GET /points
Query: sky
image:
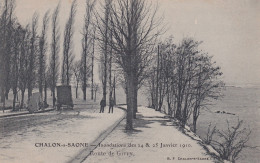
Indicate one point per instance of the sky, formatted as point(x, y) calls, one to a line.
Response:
point(229, 29)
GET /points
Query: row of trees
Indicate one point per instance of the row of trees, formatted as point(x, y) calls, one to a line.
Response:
point(17, 53)
point(185, 78)
point(24, 53)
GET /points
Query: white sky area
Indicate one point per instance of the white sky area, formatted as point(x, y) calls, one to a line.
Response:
point(229, 29)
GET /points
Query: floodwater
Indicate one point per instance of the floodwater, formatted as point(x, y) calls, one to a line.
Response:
point(245, 104)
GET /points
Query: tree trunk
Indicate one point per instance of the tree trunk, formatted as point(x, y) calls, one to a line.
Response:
point(178, 102)
point(95, 96)
point(194, 124)
point(3, 98)
point(14, 99)
point(22, 100)
point(29, 91)
point(105, 79)
point(185, 113)
point(40, 89)
point(40, 80)
point(6, 94)
point(84, 92)
point(130, 101)
point(45, 92)
point(174, 108)
point(53, 97)
point(169, 106)
point(135, 101)
point(160, 104)
point(105, 88)
point(84, 86)
point(92, 69)
point(114, 86)
point(92, 92)
point(152, 100)
point(126, 97)
point(106, 25)
point(157, 79)
point(67, 71)
point(110, 77)
point(77, 90)
point(195, 117)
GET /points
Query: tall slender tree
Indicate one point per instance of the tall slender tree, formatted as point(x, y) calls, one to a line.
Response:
point(68, 55)
point(42, 54)
point(55, 48)
point(92, 64)
point(110, 70)
point(31, 74)
point(86, 43)
point(16, 35)
point(103, 29)
point(23, 65)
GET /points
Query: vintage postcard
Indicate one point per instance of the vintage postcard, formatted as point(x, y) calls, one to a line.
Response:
point(118, 81)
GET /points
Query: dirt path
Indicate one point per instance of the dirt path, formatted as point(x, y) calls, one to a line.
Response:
point(155, 140)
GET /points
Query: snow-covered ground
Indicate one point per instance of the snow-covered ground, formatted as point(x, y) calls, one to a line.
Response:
point(155, 139)
point(58, 141)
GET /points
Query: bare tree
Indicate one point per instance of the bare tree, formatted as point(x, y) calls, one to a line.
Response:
point(103, 29)
point(31, 74)
point(92, 64)
point(207, 85)
point(161, 78)
point(110, 64)
point(169, 67)
point(55, 48)
point(16, 35)
point(157, 79)
point(86, 42)
point(232, 141)
point(132, 25)
point(42, 55)
point(23, 65)
point(210, 133)
point(68, 55)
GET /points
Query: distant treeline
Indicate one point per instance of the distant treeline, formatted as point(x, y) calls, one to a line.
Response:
point(24, 50)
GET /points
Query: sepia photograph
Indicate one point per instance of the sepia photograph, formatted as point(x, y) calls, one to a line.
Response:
point(120, 81)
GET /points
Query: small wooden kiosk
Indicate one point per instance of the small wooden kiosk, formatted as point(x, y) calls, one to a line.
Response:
point(64, 97)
